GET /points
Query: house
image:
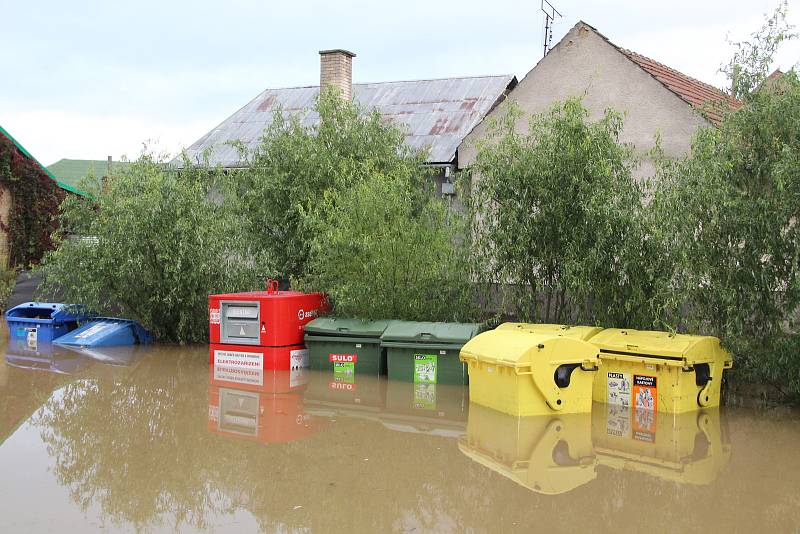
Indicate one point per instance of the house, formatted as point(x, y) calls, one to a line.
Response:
point(73, 172)
point(656, 99)
point(29, 199)
point(437, 114)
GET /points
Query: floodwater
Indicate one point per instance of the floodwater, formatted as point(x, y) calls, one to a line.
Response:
point(154, 440)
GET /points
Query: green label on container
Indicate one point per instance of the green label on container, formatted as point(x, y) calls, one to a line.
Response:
point(425, 368)
point(424, 397)
point(344, 372)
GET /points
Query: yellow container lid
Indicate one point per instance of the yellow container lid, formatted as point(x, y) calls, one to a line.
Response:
point(524, 349)
point(577, 332)
point(680, 348)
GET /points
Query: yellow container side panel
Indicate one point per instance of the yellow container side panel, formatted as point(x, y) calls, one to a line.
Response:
point(516, 372)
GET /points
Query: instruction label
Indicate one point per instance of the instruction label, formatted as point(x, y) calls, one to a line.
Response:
point(239, 367)
point(32, 338)
point(298, 359)
point(344, 372)
point(619, 389)
point(425, 368)
point(618, 421)
point(645, 393)
point(424, 397)
point(213, 315)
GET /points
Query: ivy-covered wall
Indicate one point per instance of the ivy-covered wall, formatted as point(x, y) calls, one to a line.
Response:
point(35, 198)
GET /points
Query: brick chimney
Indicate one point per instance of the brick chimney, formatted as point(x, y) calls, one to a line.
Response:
point(336, 68)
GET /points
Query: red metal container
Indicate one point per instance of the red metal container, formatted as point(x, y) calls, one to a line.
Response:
point(258, 359)
point(261, 417)
point(268, 318)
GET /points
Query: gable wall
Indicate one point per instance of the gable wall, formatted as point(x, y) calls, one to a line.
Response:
point(584, 63)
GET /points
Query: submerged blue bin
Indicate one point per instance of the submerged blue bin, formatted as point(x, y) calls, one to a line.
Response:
point(106, 332)
point(43, 322)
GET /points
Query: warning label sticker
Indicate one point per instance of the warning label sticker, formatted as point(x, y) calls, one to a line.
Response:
point(213, 315)
point(645, 393)
point(619, 389)
point(32, 338)
point(644, 425)
point(425, 368)
point(298, 377)
point(298, 359)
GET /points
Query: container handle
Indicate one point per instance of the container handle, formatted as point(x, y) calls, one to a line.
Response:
point(272, 285)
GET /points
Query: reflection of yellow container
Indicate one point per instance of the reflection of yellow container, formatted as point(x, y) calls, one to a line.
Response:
point(659, 371)
point(522, 373)
point(688, 447)
point(548, 454)
point(577, 332)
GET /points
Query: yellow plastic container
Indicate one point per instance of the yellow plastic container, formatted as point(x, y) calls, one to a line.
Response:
point(548, 454)
point(689, 447)
point(522, 373)
point(659, 371)
point(577, 332)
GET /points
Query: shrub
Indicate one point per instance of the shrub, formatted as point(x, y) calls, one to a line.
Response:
point(152, 247)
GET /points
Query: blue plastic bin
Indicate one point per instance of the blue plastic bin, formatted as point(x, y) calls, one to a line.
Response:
point(106, 332)
point(43, 322)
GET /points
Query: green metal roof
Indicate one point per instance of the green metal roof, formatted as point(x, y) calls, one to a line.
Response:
point(66, 187)
point(73, 171)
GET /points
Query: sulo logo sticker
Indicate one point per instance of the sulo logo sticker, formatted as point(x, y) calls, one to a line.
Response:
point(343, 358)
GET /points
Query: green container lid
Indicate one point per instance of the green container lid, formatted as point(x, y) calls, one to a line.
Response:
point(332, 327)
point(414, 332)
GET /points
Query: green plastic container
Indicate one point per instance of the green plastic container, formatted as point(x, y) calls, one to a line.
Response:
point(346, 347)
point(426, 353)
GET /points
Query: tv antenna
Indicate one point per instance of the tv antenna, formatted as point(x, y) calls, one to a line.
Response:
point(550, 14)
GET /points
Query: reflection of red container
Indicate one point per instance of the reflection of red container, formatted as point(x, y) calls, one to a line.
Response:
point(263, 318)
point(261, 417)
point(262, 359)
point(225, 374)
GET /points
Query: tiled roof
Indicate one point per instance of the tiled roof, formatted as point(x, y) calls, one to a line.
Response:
point(707, 99)
point(436, 114)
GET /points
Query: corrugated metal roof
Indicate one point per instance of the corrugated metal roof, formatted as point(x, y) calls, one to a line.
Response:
point(437, 114)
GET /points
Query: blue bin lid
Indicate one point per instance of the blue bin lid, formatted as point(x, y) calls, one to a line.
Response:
point(105, 332)
point(55, 311)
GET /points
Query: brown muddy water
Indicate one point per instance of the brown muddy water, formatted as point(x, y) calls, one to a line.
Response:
point(154, 440)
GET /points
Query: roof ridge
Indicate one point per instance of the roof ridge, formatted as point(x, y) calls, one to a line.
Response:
point(477, 76)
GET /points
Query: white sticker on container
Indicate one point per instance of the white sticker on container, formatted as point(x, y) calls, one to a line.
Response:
point(238, 359)
point(358, 345)
point(619, 389)
point(32, 338)
point(298, 377)
point(213, 315)
point(93, 330)
point(443, 352)
point(239, 375)
point(298, 359)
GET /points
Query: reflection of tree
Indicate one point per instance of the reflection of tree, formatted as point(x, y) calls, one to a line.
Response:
point(135, 445)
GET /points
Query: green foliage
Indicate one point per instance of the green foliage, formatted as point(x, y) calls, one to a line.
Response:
point(347, 208)
point(153, 246)
point(8, 279)
point(753, 59)
point(295, 166)
point(385, 248)
point(555, 212)
point(731, 209)
point(35, 198)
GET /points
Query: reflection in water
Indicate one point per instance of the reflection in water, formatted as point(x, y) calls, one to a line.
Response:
point(546, 454)
point(169, 443)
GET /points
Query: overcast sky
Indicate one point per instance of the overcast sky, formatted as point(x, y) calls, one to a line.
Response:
point(85, 80)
